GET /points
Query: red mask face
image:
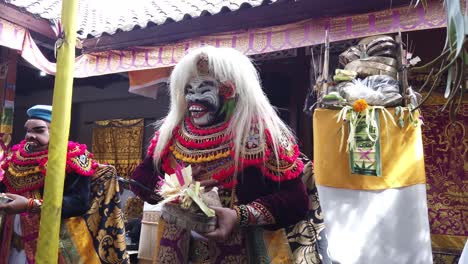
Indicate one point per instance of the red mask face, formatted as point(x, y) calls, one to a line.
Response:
point(37, 134)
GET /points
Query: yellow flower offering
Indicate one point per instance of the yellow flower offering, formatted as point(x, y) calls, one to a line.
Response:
point(360, 105)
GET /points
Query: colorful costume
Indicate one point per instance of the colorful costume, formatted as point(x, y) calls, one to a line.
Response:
point(24, 174)
point(283, 200)
point(93, 228)
point(221, 123)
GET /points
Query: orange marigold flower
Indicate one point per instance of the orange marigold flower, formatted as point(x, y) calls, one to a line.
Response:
point(360, 105)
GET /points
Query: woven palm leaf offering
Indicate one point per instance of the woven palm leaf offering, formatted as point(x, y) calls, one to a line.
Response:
point(187, 204)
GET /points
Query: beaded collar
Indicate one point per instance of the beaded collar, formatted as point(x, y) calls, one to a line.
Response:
point(25, 171)
point(212, 149)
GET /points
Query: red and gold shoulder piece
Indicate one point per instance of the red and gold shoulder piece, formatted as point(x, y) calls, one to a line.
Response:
point(80, 160)
point(259, 151)
point(286, 165)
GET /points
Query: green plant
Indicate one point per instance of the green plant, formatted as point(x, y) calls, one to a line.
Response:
point(453, 60)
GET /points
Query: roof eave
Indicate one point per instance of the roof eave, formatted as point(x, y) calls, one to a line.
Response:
point(26, 20)
point(282, 12)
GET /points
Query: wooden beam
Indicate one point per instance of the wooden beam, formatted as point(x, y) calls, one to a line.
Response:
point(39, 25)
point(279, 13)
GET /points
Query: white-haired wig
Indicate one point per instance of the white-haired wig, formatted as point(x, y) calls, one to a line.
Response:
point(225, 64)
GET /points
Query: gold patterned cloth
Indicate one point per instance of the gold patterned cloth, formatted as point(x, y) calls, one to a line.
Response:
point(446, 159)
point(119, 143)
point(104, 219)
point(307, 238)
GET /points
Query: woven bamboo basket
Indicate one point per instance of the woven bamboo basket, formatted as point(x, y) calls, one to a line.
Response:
point(193, 219)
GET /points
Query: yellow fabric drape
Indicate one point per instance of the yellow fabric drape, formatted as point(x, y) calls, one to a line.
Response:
point(83, 249)
point(47, 246)
point(119, 143)
point(401, 154)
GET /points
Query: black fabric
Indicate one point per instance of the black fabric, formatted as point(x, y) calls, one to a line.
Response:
point(147, 176)
point(76, 195)
point(134, 230)
point(286, 201)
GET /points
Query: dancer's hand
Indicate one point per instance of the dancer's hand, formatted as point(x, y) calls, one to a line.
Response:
point(18, 205)
point(227, 222)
